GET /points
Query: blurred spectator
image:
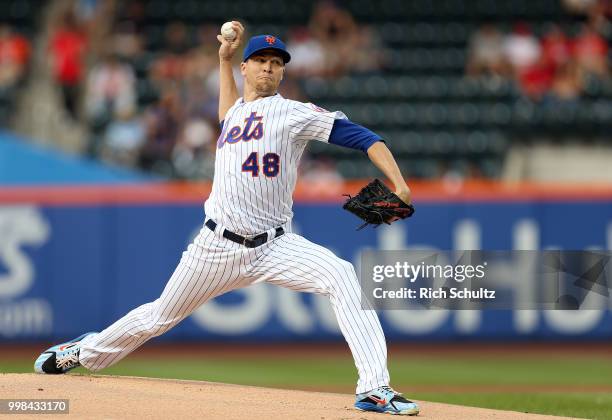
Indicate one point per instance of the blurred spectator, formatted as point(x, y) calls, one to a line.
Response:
point(336, 31)
point(307, 53)
point(110, 90)
point(14, 55)
point(198, 103)
point(486, 53)
point(537, 79)
point(212, 81)
point(176, 41)
point(67, 48)
point(132, 12)
point(169, 69)
point(193, 155)
point(199, 63)
point(86, 10)
point(601, 19)
point(321, 175)
point(553, 69)
point(567, 84)
point(203, 59)
point(163, 122)
point(360, 50)
point(126, 42)
point(370, 54)
point(123, 139)
point(556, 47)
point(521, 48)
point(581, 7)
point(591, 52)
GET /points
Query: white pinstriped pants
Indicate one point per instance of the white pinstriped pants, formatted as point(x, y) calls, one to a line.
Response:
point(213, 265)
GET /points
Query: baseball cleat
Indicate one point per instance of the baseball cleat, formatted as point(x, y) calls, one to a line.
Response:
point(60, 358)
point(385, 399)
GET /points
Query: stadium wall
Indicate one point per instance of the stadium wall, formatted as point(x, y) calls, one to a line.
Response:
point(74, 259)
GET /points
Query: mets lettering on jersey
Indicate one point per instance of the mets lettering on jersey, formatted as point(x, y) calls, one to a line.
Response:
point(246, 133)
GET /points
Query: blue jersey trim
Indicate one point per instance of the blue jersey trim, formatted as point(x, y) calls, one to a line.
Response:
point(354, 136)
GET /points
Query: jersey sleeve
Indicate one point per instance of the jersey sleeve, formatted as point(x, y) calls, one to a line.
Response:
point(346, 133)
point(309, 122)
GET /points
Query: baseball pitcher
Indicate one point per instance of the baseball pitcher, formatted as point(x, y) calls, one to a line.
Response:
point(247, 236)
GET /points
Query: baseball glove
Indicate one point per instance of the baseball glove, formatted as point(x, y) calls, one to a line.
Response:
point(377, 204)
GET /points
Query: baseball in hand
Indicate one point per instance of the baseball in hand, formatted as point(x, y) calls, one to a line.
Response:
point(228, 32)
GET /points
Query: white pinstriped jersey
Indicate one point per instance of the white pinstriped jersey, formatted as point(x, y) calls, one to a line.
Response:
point(257, 158)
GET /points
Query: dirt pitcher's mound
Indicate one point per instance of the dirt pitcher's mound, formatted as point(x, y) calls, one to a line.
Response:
point(115, 397)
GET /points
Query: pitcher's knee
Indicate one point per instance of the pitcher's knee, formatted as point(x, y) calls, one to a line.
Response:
point(153, 321)
point(162, 325)
point(347, 271)
point(342, 275)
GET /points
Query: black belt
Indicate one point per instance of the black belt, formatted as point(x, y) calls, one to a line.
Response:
point(253, 242)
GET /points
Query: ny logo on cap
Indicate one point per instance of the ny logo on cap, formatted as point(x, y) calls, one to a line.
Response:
point(270, 39)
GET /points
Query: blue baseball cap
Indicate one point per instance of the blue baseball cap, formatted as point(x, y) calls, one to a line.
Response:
point(266, 42)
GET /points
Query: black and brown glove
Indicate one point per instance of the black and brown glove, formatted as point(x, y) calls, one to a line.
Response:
point(377, 204)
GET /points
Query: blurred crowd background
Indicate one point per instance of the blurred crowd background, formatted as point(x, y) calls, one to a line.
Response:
point(459, 89)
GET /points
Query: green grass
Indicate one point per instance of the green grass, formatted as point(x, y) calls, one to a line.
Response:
point(572, 404)
point(416, 376)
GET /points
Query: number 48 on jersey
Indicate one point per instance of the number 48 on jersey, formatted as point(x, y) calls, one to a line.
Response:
point(270, 164)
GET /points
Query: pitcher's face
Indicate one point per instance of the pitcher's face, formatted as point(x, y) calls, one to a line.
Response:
point(264, 72)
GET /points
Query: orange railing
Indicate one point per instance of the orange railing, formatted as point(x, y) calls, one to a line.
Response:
point(324, 192)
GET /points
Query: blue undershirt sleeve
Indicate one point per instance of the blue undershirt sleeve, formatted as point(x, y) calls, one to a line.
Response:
point(348, 134)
